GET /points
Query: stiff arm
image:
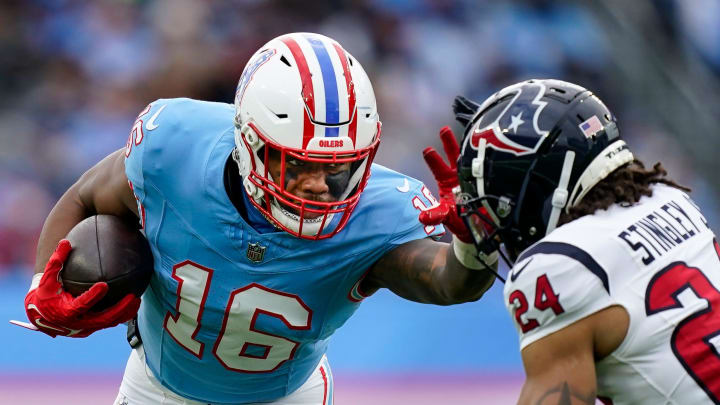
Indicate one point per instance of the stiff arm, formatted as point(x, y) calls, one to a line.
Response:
point(427, 271)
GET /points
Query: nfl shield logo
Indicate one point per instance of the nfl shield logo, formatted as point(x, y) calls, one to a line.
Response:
point(255, 252)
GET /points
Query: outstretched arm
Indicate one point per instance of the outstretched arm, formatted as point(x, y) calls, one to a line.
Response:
point(427, 271)
point(435, 272)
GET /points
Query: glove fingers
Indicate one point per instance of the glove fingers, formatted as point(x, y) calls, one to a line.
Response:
point(485, 220)
point(59, 255)
point(464, 105)
point(63, 249)
point(456, 225)
point(435, 162)
point(122, 311)
point(86, 300)
point(450, 144)
point(49, 281)
point(464, 109)
point(435, 215)
point(130, 305)
point(463, 119)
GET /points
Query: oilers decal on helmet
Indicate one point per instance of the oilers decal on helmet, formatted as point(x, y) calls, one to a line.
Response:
point(250, 70)
point(324, 97)
point(507, 132)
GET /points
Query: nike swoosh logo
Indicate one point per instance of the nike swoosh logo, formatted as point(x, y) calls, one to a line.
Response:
point(515, 274)
point(405, 187)
point(151, 122)
point(41, 323)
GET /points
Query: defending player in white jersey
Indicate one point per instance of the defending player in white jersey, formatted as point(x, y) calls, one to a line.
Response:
point(615, 287)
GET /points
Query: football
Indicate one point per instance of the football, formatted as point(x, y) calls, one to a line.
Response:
point(106, 248)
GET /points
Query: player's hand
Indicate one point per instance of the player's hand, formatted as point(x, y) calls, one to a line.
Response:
point(55, 311)
point(464, 109)
point(447, 179)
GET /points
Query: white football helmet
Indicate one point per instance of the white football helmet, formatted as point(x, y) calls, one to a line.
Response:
point(302, 97)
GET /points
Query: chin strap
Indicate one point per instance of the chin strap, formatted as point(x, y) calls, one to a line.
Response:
point(477, 167)
point(612, 157)
point(560, 195)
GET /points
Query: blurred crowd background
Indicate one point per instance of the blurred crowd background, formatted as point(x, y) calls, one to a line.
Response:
point(74, 74)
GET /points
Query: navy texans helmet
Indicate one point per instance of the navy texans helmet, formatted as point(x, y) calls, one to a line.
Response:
point(530, 151)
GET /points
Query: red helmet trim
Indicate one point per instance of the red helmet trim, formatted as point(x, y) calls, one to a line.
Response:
point(308, 94)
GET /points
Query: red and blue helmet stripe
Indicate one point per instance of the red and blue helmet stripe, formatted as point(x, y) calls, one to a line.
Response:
point(327, 87)
point(332, 108)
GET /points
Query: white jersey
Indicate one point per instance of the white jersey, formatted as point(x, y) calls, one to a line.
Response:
point(660, 261)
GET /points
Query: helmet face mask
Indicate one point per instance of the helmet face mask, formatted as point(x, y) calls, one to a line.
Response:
point(484, 228)
point(297, 214)
point(304, 103)
point(532, 151)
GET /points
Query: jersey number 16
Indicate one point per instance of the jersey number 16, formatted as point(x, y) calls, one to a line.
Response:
point(239, 345)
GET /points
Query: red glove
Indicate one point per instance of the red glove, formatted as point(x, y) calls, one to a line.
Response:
point(55, 311)
point(447, 178)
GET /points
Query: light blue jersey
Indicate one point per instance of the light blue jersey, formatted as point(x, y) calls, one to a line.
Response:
point(232, 315)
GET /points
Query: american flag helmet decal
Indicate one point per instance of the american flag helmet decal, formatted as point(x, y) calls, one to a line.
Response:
point(591, 126)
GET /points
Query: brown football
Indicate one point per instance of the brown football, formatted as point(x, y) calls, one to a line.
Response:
point(107, 248)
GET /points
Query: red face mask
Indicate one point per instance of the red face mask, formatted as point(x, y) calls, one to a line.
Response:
point(309, 187)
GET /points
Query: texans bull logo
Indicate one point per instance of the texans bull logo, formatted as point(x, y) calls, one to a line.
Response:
point(516, 129)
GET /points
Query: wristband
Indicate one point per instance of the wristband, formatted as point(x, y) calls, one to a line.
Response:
point(35, 281)
point(468, 256)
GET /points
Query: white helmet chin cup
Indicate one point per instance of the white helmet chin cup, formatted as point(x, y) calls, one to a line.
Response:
point(310, 227)
point(304, 96)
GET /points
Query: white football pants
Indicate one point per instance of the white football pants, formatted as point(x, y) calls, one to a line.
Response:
point(140, 387)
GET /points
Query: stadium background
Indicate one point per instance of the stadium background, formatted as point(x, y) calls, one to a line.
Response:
point(74, 74)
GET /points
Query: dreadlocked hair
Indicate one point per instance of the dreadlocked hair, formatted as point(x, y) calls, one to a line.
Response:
point(624, 186)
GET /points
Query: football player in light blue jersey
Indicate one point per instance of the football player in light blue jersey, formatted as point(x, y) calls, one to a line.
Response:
point(269, 224)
